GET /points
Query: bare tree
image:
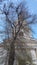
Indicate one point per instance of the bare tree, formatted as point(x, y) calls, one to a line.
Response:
point(22, 14)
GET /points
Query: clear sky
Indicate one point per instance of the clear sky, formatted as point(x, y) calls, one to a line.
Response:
point(32, 6)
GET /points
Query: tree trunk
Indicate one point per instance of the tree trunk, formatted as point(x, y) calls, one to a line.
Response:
point(11, 54)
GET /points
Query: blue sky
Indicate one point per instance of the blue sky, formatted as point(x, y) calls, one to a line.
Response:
point(32, 6)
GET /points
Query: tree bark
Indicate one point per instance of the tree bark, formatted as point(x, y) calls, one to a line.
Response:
point(11, 54)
